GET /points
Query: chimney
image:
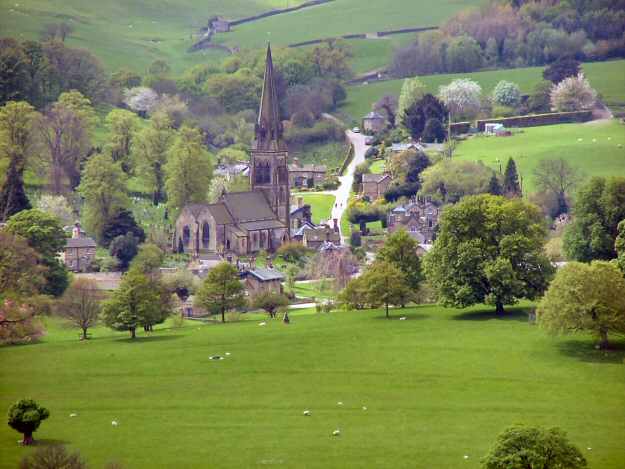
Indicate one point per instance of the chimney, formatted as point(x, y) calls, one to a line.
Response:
point(76, 232)
point(336, 224)
point(300, 201)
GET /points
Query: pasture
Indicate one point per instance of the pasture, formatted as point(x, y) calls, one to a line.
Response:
point(130, 33)
point(596, 154)
point(342, 17)
point(437, 387)
point(608, 78)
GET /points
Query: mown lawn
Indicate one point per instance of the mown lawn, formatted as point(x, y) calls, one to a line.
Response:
point(437, 386)
point(608, 78)
point(320, 204)
point(377, 167)
point(597, 154)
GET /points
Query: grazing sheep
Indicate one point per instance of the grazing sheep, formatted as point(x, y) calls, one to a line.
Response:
point(336, 432)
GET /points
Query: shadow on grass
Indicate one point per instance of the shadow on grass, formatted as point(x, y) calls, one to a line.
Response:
point(150, 338)
point(584, 350)
point(517, 313)
point(48, 442)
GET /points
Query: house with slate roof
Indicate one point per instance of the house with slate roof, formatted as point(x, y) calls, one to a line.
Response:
point(79, 252)
point(244, 223)
point(373, 123)
point(418, 218)
point(261, 280)
point(307, 175)
point(375, 185)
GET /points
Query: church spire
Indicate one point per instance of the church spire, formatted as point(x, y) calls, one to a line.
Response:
point(269, 126)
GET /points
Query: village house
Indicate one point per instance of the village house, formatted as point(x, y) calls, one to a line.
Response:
point(318, 236)
point(262, 280)
point(375, 185)
point(307, 175)
point(244, 223)
point(301, 215)
point(79, 252)
point(418, 218)
point(373, 123)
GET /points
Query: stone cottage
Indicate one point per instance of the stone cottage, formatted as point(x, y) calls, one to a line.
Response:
point(79, 252)
point(308, 175)
point(261, 280)
point(373, 123)
point(375, 185)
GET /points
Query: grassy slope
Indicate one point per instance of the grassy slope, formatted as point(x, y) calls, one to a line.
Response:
point(130, 33)
point(600, 158)
point(330, 153)
point(437, 386)
point(344, 17)
point(607, 77)
point(320, 204)
point(377, 167)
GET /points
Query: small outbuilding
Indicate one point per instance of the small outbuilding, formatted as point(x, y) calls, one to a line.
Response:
point(261, 280)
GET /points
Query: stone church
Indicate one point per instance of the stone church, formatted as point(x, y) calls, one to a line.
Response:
point(243, 223)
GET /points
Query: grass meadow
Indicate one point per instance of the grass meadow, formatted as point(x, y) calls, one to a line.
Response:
point(320, 204)
point(596, 154)
point(608, 78)
point(437, 386)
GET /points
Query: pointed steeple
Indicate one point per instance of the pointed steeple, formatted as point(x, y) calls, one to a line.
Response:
point(269, 126)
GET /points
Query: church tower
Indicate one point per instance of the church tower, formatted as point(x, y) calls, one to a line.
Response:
point(269, 162)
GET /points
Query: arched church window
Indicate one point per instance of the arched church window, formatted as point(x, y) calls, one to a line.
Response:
point(206, 235)
point(186, 235)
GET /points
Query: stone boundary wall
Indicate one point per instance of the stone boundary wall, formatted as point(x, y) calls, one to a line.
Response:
point(278, 11)
point(460, 127)
point(365, 35)
point(538, 119)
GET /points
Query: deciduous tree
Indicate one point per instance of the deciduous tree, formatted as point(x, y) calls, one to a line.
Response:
point(21, 271)
point(270, 302)
point(188, 171)
point(81, 304)
point(599, 207)
point(522, 447)
point(462, 98)
point(150, 148)
point(16, 144)
point(104, 189)
point(412, 90)
point(222, 290)
point(416, 116)
point(45, 235)
point(124, 248)
point(558, 177)
point(53, 456)
point(385, 285)
point(585, 297)
point(489, 249)
point(18, 323)
point(122, 125)
point(573, 94)
point(388, 104)
point(562, 68)
point(507, 93)
point(450, 180)
point(400, 249)
point(25, 416)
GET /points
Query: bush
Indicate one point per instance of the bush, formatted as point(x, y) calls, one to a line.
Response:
point(52, 457)
point(573, 94)
point(124, 248)
point(331, 183)
point(372, 152)
point(293, 252)
point(503, 111)
point(321, 132)
point(433, 131)
point(355, 239)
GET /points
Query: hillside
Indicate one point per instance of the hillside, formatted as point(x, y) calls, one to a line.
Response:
point(129, 33)
point(608, 78)
point(134, 33)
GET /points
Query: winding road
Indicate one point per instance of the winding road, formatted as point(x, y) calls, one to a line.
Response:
point(342, 193)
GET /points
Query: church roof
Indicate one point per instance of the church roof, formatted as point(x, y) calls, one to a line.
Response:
point(220, 214)
point(248, 206)
point(261, 225)
point(269, 126)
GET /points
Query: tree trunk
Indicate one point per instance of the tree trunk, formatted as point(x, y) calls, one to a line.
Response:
point(603, 339)
point(133, 333)
point(386, 304)
point(28, 439)
point(84, 333)
point(223, 314)
point(499, 308)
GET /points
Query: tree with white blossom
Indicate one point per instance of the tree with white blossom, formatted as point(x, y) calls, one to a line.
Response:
point(462, 98)
point(507, 93)
point(573, 94)
point(140, 99)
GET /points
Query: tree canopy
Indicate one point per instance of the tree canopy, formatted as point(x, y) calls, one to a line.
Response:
point(400, 249)
point(489, 249)
point(25, 416)
point(585, 297)
point(599, 208)
point(222, 290)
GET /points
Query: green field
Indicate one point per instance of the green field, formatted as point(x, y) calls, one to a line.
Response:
point(607, 77)
point(437, 386)
point(130, 33)
point(315, 289)
point(342, 17)
point(602, 157)
point(320, 204)
point(329, 153)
